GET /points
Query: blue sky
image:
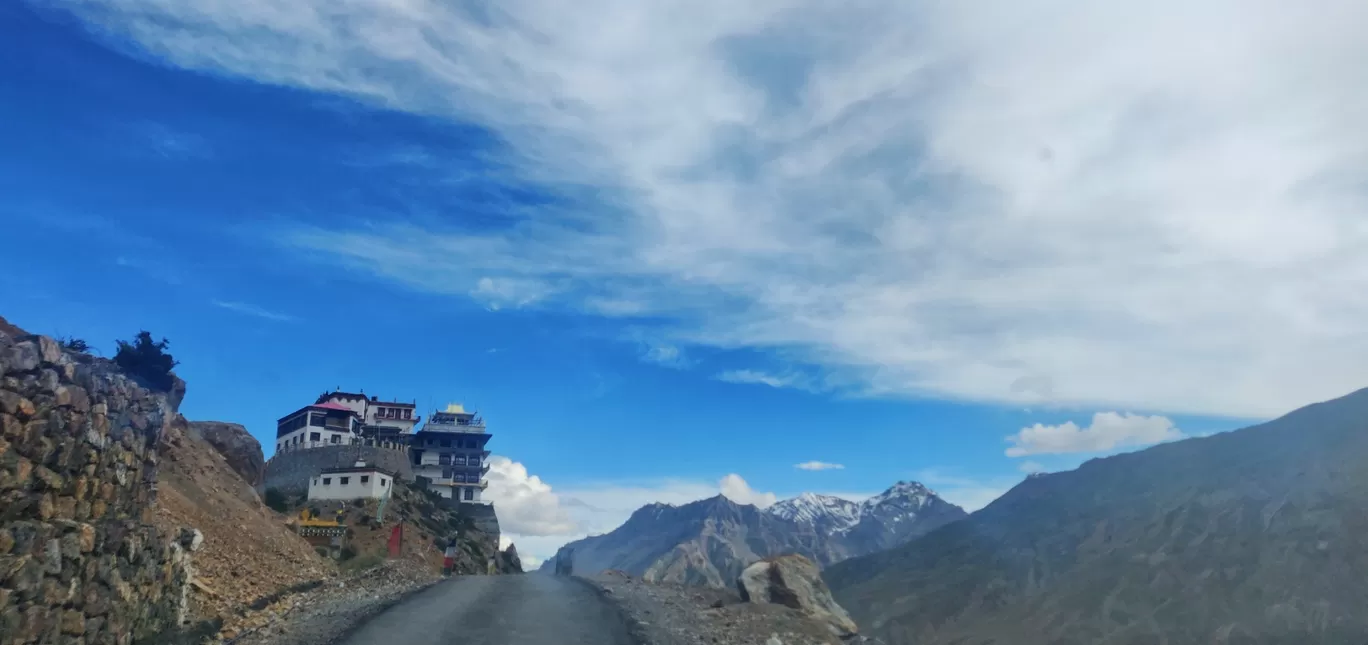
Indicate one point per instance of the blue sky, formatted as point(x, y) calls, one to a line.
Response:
point(669, 255)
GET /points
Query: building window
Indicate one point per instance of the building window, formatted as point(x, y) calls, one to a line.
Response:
point(445, 443)
point(446, 473)
point(313, 436)
point(315, 481)
point(408, 414)
point(327, 481)
point(383, 482)
point(469, 494)
point(365, 479)
point(443, 460)
point(474, 460)
point(343, 481)
point(318, 419)
point(460, 461)
point(337, 438)
point(460, 478)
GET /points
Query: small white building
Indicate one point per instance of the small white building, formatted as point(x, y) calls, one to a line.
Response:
point(359, 481)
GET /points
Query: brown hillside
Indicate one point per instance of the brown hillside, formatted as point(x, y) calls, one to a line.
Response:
point(249, 551)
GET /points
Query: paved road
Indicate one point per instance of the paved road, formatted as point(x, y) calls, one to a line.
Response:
point(498, 610)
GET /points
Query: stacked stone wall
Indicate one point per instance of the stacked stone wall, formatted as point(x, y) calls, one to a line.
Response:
point(289, 472)
point(80, 562)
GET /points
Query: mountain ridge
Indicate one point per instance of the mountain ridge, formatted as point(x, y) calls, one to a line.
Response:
point(709, 541)
point(1193, 541)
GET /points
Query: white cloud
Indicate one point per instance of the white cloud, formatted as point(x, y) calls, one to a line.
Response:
point(755, 377)
point(926, 198)
point(737, 490)
point(252, 310)
point(526, 504)
point(818, 465)
point(498, 293)
point(1108, 430)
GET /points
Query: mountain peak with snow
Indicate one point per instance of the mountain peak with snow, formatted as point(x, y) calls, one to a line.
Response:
point(826, 512)
point(903, 511)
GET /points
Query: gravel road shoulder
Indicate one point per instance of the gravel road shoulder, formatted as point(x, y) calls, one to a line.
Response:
point(327, 613)
point(669, 614)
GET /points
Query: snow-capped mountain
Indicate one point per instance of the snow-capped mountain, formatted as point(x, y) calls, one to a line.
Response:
point(904, 511)
point(709, 541)
point(827, 513)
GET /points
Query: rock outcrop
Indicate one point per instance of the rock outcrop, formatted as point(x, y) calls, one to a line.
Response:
point(794, 581)
point(511, 562)
point(80, 560)
point(239, 448)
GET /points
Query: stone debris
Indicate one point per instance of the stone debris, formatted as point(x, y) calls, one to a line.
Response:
point(673, 614)
point(794, 581)
point(320, 615)
point(243, 551)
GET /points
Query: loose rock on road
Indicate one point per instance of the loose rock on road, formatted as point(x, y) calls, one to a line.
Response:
point(498, 610)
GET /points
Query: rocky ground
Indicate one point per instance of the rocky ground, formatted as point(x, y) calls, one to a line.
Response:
point(249, 552)
point(672, 614)
point(323, 614)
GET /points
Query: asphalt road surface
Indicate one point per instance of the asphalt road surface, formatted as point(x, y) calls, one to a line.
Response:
point(525, 609)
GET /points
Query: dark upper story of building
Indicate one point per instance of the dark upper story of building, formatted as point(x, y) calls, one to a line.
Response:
point(328, 416)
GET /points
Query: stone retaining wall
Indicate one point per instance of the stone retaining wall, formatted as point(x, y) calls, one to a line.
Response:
point(80, 562)
point(289, 472)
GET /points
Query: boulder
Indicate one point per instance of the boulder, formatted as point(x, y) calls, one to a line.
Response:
point(794, 581)
point(239, 448)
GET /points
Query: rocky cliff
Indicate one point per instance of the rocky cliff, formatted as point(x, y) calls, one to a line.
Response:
point(239, 448)
point(1253, 536)
point(80, 560)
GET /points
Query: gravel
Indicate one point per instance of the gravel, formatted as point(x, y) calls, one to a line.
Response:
point(671, 614)
point(323, 615)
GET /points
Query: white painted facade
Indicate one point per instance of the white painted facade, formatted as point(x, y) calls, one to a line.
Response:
point(316, 426)
point(358, 482)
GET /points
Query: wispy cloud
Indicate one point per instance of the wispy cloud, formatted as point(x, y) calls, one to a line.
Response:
point(756, 377)
point(1108, 431)
point(818, 465)
point(248, 309)
point(666, 355)
point(930, 198)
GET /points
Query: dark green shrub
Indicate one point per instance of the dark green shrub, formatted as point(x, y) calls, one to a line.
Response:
point(347, 554)
point(147, 360)
point(275, 500)
point(73, 344)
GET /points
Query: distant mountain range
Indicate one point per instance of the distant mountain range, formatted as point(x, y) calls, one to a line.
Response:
point(1253, 536)
point(709, 542)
